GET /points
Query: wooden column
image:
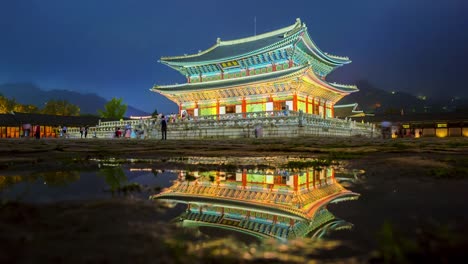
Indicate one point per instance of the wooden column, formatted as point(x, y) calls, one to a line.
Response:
point(295, 102)
point(307, 104)
point(313, 105)
point(332, 111)
point(313, 178)
point(217, 109)
point(244, 107)
point(296, 182)
point(244, 178)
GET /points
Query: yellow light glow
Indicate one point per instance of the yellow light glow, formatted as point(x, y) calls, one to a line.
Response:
point(465, 132)
point(441, 132)
point(441, 125)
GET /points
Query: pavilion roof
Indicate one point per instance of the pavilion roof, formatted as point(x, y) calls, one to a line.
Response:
point(231, 82)
point(238, 48)
point(234, 48)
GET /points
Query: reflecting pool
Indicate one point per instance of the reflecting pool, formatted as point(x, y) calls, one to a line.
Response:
point(278, 203)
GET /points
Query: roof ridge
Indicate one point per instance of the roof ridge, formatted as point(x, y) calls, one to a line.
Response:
point(219, 42)
point(284, 30)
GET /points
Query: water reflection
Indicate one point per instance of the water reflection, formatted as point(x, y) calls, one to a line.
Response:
point(279, 203)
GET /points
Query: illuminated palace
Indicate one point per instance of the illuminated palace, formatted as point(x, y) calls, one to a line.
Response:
point(262, 203)
point(279, 70)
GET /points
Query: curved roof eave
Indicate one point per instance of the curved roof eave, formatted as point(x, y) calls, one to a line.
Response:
point(337, 60)
point(338, 89)
point(184, 60)
point(267, 208)
point(231, 82)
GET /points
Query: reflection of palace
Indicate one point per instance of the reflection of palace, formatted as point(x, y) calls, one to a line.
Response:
point(269, 203)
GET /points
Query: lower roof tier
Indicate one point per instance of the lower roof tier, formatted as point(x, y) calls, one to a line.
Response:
point(299, 79)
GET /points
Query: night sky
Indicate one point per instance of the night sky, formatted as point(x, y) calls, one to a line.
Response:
point(111, 47)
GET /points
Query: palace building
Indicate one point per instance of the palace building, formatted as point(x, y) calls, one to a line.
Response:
point(275, 71)
point(268, 203)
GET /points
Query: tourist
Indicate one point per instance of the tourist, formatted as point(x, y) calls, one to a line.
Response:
point(37, 133)
point(64, 131)
point(86, 131)
point(81, 131)
point(163, 128)
point(26, 130)
point(128, 130)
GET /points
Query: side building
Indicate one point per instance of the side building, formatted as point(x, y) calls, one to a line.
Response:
point(275, 71)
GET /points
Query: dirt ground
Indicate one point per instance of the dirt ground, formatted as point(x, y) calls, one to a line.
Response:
point(424, 178)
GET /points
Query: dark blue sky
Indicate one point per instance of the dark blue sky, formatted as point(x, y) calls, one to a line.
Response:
point(111, 47)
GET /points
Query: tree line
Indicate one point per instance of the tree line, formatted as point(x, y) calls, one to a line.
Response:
point(114, 109)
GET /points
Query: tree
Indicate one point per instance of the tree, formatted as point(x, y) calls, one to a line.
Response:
point(155, 113)
point(114, 109)
point(61, 107)
point(7, 105)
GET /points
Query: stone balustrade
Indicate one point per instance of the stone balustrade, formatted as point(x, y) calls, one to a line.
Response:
point(239, 125)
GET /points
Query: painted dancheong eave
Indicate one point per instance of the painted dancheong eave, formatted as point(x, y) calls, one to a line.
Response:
point(298, 79)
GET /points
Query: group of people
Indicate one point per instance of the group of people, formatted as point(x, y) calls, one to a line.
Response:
point(84, 131)
point(128, 132)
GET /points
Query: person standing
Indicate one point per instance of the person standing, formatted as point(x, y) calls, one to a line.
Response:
point(37, 132)
point(81, 131)
point(163, 128)
point(86, 131)
point(64, 131)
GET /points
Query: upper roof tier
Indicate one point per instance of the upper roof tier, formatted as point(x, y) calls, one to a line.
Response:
point(242, 48)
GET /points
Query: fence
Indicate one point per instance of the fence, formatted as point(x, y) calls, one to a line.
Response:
point(239, 125)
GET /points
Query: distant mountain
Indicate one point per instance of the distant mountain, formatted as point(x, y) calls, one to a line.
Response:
point(89, 103)
point(378, 101)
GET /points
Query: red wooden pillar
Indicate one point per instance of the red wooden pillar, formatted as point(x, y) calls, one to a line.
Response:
point(217, 109)
point(244, 107)
point(201, 78)
point(296, 182)
point(247, 72)
point(332, 109)
point(222, 75)
point(188, 78)
point(295, 102)
point(244, 178)
point(290, 63)
point(273, 66)
point(313, 178)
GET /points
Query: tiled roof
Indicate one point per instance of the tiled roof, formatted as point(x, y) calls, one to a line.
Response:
point(16, 119)
point(233, 48)
point(231, 82)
